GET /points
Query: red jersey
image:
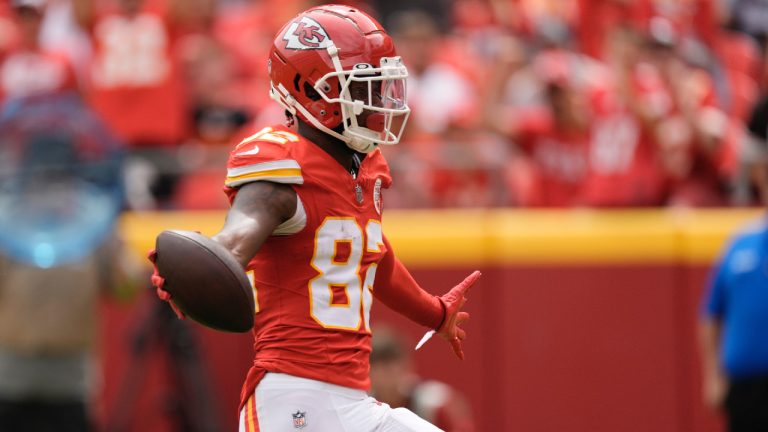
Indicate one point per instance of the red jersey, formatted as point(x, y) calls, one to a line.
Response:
point(313, 278)
point(135, 83)
point(26, 72)
point(558, 158)
point(623, 166)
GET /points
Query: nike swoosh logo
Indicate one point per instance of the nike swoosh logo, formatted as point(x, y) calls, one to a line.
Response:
point(253, 151)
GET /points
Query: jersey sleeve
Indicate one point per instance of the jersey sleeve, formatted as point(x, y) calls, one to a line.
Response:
point(264, 156)
point(396, 288)
point(255, 159)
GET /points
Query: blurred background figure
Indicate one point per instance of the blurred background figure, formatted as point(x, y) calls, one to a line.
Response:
point(222, 94)
point(28, 68)
point(447, 160)
point(134, 82)
point(541, 108)
point(179, 80)
point(394, 381)
point(624, 164)
point(60, 197)
point(735, 318)
point(687, 126)
point(748, 17)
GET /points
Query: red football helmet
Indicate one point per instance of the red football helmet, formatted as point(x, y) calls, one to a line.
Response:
point(335, 67)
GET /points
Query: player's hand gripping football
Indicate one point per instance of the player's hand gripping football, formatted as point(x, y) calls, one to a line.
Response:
point(158, 281)
point(453, 301)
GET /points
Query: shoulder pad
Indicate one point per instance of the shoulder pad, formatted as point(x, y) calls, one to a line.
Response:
point(266, 155)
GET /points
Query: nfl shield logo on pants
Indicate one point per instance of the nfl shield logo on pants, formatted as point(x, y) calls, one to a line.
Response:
point(299, 419)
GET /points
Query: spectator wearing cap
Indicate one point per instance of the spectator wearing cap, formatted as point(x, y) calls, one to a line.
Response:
point(29, 69)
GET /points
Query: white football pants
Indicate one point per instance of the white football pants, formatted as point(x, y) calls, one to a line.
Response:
point(285, 403)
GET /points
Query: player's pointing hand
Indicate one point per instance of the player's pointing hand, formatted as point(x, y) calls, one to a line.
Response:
point(453, 301)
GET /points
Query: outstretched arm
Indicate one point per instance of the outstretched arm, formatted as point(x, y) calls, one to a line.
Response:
point(397, 289)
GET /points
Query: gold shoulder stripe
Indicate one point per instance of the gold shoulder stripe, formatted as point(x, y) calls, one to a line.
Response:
point(284, 175)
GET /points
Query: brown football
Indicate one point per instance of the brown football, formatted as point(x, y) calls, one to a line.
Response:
point(205, 281)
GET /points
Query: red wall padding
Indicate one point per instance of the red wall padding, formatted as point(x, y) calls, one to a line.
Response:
point(551, 348)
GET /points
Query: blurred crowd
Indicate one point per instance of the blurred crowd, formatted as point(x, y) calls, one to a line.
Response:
point(535, 103)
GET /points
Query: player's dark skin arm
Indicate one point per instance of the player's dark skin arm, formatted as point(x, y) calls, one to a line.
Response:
point(261, 206)
point(258, 209)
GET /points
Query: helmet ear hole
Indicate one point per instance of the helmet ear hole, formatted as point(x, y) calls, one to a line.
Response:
point(311, 92)
point(320, 110)
point(296, 81)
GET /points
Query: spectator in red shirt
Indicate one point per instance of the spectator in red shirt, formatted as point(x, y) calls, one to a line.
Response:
point(137, 87)
point(624, 169)
point(552, 132)
point(442, 167)
point(686, 124)
point(134, 80)
point(28, 69)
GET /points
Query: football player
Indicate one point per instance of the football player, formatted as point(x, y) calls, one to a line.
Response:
point(305, 223)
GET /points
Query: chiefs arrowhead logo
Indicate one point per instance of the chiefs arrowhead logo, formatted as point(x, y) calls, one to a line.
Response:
point(306, 34)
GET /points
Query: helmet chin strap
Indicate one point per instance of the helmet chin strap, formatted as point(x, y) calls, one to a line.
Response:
point(356, 139)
